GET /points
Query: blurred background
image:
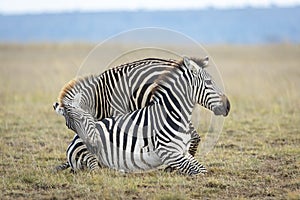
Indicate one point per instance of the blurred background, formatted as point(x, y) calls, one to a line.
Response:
point(208, 22)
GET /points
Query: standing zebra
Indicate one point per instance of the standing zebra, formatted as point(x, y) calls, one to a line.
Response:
point(156, 134)
point(116, 91)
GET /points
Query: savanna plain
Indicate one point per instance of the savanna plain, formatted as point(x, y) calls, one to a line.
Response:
point(255, 157)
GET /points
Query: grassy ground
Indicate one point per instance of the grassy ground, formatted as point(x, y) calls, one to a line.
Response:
point(256, 157)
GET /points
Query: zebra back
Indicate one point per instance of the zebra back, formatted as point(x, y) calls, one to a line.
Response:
point(118, 90)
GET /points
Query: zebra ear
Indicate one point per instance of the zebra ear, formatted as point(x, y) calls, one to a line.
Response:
point(205, 61)
point(76, 101)
point(191, 65)
point(186, 61)
point(201, 62)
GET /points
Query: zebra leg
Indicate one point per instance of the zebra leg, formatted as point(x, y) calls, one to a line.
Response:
point(92, 163)
point(186, 164)
point(195, 139)
point(79, 158)
point(189, 165)
point(62, 167)
point(194, 142)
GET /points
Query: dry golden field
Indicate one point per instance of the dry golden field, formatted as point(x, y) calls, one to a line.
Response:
point(257, 155)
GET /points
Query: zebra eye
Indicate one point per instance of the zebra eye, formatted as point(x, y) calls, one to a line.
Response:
point(208, 82)
point(195, 73)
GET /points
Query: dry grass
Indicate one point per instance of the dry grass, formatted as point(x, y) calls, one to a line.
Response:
point(257, 155)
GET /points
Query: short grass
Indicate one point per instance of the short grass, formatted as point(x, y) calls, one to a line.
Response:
point(256, 157)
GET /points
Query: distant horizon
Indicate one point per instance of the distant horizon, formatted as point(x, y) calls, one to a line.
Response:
point(17, 7)
point(148, 10)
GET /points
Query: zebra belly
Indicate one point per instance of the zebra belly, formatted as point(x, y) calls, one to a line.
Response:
point(116, 155)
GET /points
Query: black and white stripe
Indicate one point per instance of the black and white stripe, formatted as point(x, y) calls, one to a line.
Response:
point(116, 91)
point(156, 134)
point(79, 158)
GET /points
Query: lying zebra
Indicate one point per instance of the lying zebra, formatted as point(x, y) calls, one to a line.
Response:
point(119, 90)
point(156, 134)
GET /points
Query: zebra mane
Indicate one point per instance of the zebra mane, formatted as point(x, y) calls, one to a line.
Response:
point(146, 61)
point(67, 88)
point(165, 74)
point(201, 62)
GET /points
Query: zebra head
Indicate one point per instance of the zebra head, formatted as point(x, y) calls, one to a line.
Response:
point(73, 113)
point(69, 95)
point(74, 118)
point(204, 90)
point(71, 110)
point(74, 102)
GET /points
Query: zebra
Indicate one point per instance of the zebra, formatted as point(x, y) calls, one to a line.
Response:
point(105, 95)
point(156, 134)
point(79, 158)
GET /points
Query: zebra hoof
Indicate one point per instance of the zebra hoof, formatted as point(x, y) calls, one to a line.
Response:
point(169, 169)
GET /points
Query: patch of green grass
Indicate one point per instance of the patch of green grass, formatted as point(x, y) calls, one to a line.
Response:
point(256, 157)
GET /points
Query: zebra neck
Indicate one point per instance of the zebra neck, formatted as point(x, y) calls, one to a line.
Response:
point(173, 107)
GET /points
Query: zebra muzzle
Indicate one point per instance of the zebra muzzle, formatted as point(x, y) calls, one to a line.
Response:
point(223, 108)
point(55, 105)
point(59, 110)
